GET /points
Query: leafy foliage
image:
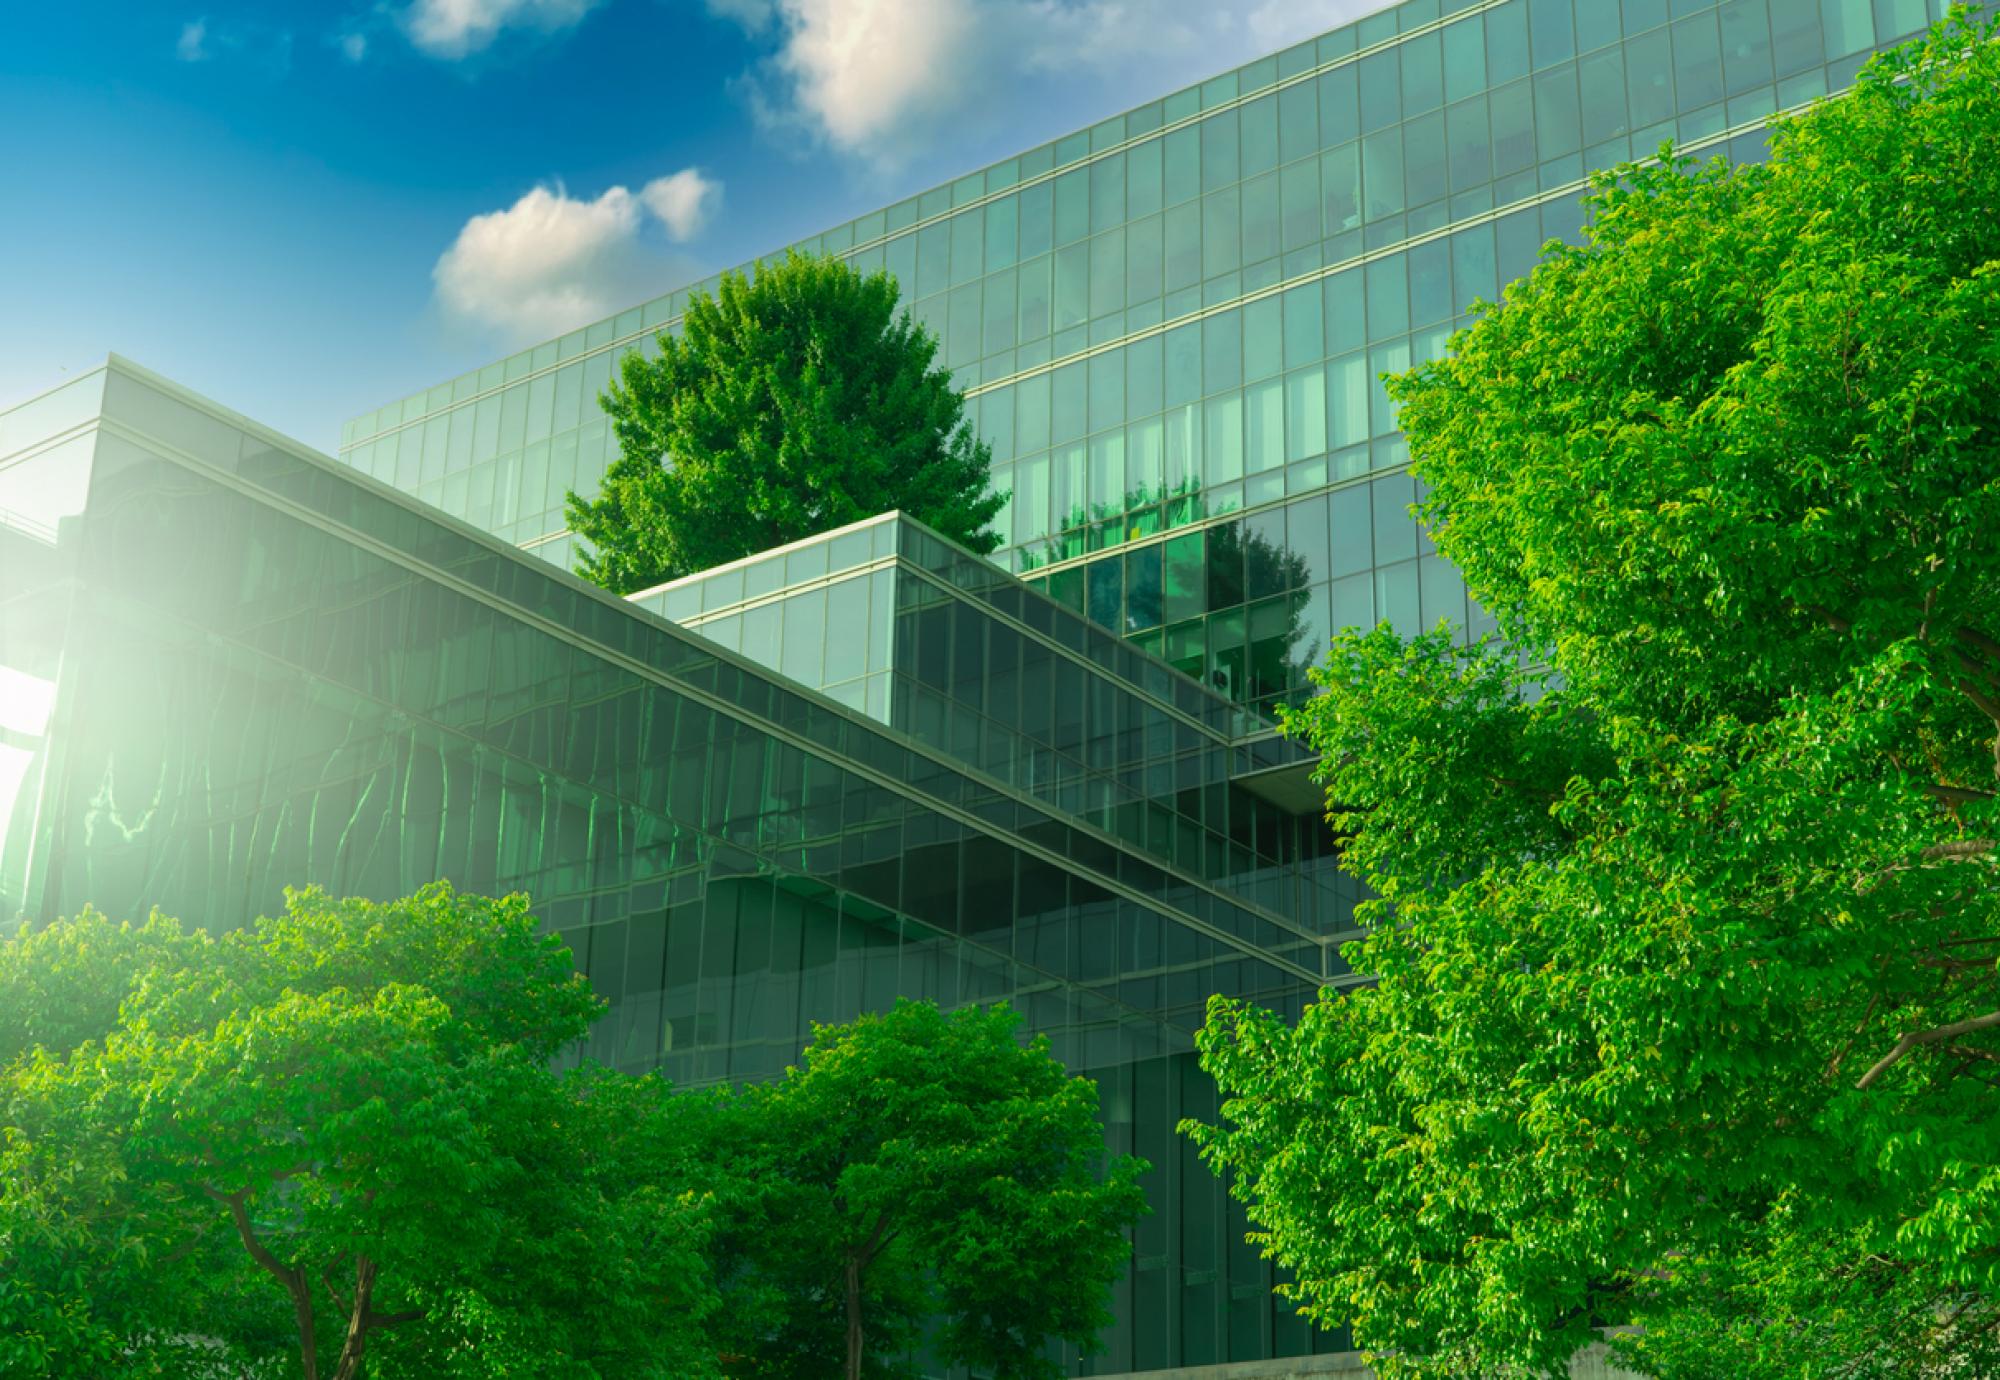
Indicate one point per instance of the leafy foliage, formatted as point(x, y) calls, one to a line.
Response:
point(333, 1145)
point(1686, 1013)
point(336, 1134)
point(790, 404)
point(921, 1168)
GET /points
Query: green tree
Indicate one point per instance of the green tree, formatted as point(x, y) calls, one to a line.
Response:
point(1686, 1012)
point(921, 1169)
point(790, 404)
point(94, 1277)
point(342, 1127)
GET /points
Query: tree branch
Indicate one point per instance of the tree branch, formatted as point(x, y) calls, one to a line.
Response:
point(1969, 1052)
point(1981, 641)
point(1985, 703)
point(1833, 1068)
point(293, 1281)
point(1959, 848)
point(1925, 1037)
point(1956, 795)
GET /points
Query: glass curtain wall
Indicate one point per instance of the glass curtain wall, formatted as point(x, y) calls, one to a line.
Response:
point(1177, 319)
point(231, 666)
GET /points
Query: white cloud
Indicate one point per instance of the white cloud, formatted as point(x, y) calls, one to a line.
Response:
point(683, 201)
point(552, 262)
point(453, 29)
point(881, 78)
point(259, 48)
point(353, 46)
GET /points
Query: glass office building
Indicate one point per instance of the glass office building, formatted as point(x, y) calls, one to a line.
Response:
point(228, 664)
point(873, 764)
point(1172, 324)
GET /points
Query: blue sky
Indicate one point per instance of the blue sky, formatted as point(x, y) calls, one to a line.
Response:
point(307, 208)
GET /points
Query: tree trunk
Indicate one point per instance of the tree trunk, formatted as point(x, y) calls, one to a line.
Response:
point(351, 1350)
point(854, 1317)
point(302, 1313)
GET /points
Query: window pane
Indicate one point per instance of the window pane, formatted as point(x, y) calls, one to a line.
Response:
point(1697, 62)
point(1602, 77)
point(998, 313)
point(1183, 165)
point(1549, 31)
point(1339, 120)
point(1388, 297)
point(1260, 135)
point(1221, 246)
point(1264, 427)
point(933, 258)
point(1422, 74)
point(1746, 44)
point(1352, 522)
point(1001, 230)
point(1382, 172)
point(1849, 27)
point(1466, 136)
point(1183, 349)
point(1035, 307)
point(1556, 128)
point(1107, 273)
point(1298, 121)
point(1305, 414)
point(1464, 59)
point(1142, 179)
point(1430, 283)
point(1298, 199)
point(1305, 336)
point(1340, 180)
point(1596, 25)
point(1347, 401)
point(1107, 390)
point(1513, 116)
point(1649, 80)
point(1107, 192)
point(1507, 42)
point(1107, 592)
point(1260, 219)
point(1395, 529)
point(1222, 352)
point(1143, 588)
point(1472, 267)
point(1423, 159)
point(1072, 298)
point(1142, 377)
point(1218, 151)
point(1346, 322)
point(968, 246)
point(1263, 338)
point(1068, 403)
point(1186, 579)
point(1381, 90)
point(1035, 219)
point(1143, 260)
point(1222, 459)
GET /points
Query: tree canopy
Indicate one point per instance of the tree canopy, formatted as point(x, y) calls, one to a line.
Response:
point(334, 1145)
point(1685, 1011)
point(921, 1168)
point(326, 1145)
point(789, 404)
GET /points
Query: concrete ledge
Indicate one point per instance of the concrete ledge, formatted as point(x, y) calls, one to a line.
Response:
point(1592, 1363)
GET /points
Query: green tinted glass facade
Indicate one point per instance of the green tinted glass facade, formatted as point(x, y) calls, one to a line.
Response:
point(228, 665)
point(1173, 323)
